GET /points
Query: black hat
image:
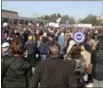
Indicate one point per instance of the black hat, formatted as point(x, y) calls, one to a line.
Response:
point(86, 46)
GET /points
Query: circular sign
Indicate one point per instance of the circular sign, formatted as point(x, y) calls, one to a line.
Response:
point(79, 37)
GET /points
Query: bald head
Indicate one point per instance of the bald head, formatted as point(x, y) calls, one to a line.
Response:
point(54, 49)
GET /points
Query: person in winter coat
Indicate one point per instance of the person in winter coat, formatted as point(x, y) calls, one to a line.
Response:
point(43, 48)
point(5, 49)
point(90, 42)
point(61, 42)
point(97, 62)
point(5, 52)
point(87, 56)
point(25, 35)
point(16, 69)
point(30, 47)
point(79, 63)
point(54, 72)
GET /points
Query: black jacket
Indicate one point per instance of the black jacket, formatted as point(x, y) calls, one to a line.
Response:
point(97, 61)
point(16, 72)
point(54, 73)
point(30, 46)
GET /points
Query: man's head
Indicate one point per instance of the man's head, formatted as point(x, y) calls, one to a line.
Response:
point(5, 47)
point(54, 49)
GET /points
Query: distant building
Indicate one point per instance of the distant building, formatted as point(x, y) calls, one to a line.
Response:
point(13, 17)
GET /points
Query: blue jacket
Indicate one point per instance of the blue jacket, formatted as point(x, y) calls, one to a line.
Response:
point(43, 48)
point(61, 41)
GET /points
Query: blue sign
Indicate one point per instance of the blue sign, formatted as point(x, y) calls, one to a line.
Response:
point(79, 37)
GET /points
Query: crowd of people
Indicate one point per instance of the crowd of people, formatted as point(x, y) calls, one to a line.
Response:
point(33, 56)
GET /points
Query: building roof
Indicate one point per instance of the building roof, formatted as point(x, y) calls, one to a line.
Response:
point(8, 14)
point(10, 11)
point(14, 15)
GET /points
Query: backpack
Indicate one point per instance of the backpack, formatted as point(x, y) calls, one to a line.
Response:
point(79, 64)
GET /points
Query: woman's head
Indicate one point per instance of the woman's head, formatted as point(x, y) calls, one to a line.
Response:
point(75, 52)
point(17, 48)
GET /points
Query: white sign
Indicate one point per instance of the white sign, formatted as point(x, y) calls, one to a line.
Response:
point(56, 25)
point(79, 37)
point(83, 25)
point(53, 24)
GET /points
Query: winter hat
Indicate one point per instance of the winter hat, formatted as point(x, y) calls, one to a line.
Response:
point(86, 46)
point(5, 44)
point(30, 37)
